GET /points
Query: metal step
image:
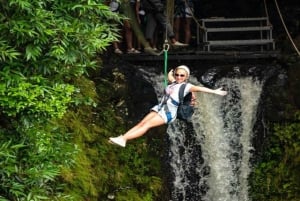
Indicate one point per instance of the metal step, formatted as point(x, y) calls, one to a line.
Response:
point(236, 29)
point(221, 19)
point(240, 42)
point(260, 42)
point(215, 25)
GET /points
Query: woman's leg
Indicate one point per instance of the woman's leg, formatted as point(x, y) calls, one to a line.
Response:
point(153, 119)
point(146, 118)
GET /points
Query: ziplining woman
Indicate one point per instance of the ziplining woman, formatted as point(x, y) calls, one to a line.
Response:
point(165, 112)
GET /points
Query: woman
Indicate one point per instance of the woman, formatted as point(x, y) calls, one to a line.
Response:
point(165, 111)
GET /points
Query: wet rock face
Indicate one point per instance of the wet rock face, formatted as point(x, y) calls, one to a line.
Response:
point(133, 95)
point(141, 96)
point(294, 85)
point(280, 96)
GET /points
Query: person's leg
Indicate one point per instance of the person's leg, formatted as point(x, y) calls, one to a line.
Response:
point(188, 14)
point(153, 119)
point(187, 29)
point(177, 27)
point(128, 34)
point(146, 118)
point(116, 48)
point(161, 18)
point(150, 26)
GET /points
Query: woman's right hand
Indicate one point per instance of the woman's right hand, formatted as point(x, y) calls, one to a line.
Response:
point(221, 92)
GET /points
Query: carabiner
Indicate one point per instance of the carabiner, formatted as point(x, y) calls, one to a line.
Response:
point(166, 46)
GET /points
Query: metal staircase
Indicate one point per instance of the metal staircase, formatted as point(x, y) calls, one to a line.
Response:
point(227, 32)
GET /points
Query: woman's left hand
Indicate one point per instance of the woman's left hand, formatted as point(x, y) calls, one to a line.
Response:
point(220, 92)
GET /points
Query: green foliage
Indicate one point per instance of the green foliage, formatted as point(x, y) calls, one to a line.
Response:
point(8, 162)
point(45, 45)
point(54, 126)
point(30, 170)
point(32, 96)
point(277, 177)
point(102, 169)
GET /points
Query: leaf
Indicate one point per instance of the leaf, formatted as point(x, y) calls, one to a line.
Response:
point(32, 52)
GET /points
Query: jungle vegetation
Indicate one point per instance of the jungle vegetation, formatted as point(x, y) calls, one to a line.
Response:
point(276, 177)
point(55, 121)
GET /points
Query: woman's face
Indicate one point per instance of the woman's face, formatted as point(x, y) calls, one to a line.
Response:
point(180, 75)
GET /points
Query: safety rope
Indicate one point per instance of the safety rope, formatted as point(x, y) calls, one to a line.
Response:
point(166, 45)
point(281, 18)
point(170, 11)
point(166, 49)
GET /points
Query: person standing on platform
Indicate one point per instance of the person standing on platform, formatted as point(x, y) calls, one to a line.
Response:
point(155, 14)
point(183, 13)
point(115, 6)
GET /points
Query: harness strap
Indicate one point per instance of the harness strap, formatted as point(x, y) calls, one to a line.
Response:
point(166, 109)
point(181, 92)
point(174, 102)
point(168, 113)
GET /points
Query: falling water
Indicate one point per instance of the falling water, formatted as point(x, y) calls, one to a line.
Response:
point(210, 157)
point(223, 128)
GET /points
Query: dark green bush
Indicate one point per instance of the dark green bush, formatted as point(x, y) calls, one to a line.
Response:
point(277, 176)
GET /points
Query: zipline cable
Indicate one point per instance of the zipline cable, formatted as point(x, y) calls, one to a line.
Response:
point(281, 18)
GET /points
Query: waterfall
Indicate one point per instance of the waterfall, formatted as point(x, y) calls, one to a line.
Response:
point(223, 132)
point(210, 157)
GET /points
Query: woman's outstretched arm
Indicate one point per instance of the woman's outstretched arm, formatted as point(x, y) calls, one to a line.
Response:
point(218, 91)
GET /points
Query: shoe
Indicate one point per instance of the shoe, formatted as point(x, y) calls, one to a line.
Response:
point(179, 44)
point(150, 50)
point(133, 51)
point(118, 51)
point(118, 141)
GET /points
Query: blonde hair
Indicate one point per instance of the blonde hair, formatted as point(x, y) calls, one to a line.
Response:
point(185, 68)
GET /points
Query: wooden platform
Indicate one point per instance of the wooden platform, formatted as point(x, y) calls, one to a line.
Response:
point(200, 55)
point(221, 40)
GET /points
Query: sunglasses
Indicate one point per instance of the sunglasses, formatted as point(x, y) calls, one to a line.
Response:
point(180, 75)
